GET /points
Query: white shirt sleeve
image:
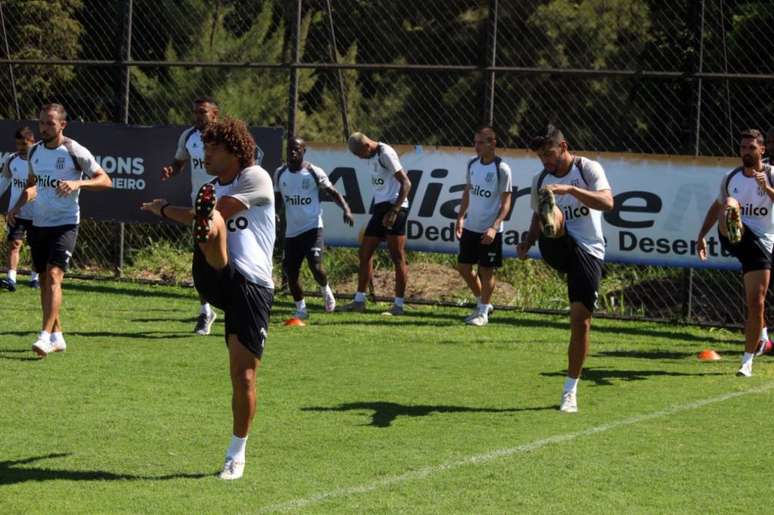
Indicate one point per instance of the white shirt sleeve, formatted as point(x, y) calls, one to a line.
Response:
point(254, 188)
point(389, 159)
point(324, 183)
point(181, 154)
point(85, 159)
point(276, 179)
point(595, 175)
point(722, 193)
point(5, 175)
point(505, 184)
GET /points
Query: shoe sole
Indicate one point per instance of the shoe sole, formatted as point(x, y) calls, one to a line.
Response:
point(733, 225)
point(205, 205)
point(546, 212)
point(739, 373)
point(568, 410)
point(40, 352)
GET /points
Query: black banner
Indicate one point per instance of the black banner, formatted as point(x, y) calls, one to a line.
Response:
point(133, 156)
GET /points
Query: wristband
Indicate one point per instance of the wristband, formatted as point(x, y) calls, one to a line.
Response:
point(161, 211)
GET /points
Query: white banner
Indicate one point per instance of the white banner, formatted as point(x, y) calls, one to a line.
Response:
point(660, 202)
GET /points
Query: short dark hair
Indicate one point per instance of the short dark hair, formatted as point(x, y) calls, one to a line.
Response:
point(551, 135)
point(232, 134)
point(205, 100)
point(487, 130)
point(24, 133)
point(59, 108)
point(754, 134)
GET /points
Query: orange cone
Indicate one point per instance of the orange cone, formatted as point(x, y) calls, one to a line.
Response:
point(708, 355)
point(294, 322)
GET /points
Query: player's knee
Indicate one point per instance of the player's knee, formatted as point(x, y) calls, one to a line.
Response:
point(16, 245)
point(243, 378)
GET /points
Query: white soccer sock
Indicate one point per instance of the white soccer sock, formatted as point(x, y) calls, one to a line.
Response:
point(571, 384)
point(12, 275)
point(206, 309)
point(326, 290)
point(478, 300)
point(236, 450)
point(360, 296)
point(57, 337)
point(34, 276)
point(483, 308)
point(747, 358)
point(398, 301)
point(45, 335)
point(301, 305)
point(764, 334)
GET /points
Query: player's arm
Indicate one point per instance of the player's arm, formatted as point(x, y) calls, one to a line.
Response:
point(28, 195)
point(5, 181)
point(464, 203)
point(98, 181)
point(405, 188)
point(601, 200)
point(172, 169)
point(532, 236)
point(161, 207)
point(505, 206)
point(709, 221)
point(340, 201)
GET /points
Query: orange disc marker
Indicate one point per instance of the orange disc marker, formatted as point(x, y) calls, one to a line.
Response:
point(708, 355)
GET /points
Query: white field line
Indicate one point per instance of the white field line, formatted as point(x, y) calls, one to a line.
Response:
point(486, 457)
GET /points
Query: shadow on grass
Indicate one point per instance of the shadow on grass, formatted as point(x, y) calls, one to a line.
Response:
point(11, 473)
point(129, 290)
point(14, 355)
point(386, 412)
point(606, 377)
point(141, 335)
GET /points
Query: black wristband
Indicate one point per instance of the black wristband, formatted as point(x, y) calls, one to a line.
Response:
point(161, 211)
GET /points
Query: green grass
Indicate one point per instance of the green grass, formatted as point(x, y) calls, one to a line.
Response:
point(135, 417)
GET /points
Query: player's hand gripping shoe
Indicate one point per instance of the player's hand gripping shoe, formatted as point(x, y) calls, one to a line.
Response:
point(546, 207)
point(733, 224)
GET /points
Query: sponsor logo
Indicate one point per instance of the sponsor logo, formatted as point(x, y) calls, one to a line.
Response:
point(237, 224)
point(19, 183)
point(750, 210)
point(46, 181)
point(478, 191)
point(297, 200)
point(197, 163)
point(377, 181)
point(571, 213)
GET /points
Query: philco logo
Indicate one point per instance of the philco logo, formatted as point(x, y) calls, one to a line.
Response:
point(750, 210)
point(377, 181)
point(478, 191)
point(297, 200)
point(60, 163)
point(571, 213)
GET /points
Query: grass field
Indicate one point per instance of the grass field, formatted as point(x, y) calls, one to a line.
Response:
point(363, 413)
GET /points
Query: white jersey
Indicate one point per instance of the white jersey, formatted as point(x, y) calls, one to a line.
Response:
point(384, 165)
point(300, 190)
point(755, 204)
point(190, 147)
point(581, 222)
point(70, 161)
point(250, 240)
point(487, 183)
point(14, 173)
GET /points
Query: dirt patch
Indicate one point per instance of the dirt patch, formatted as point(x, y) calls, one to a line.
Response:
point(428, 281)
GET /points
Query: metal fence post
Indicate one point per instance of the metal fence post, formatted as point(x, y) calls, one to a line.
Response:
point(126, 55)
point(489, 40)
point(295, 55)
point(339, 73)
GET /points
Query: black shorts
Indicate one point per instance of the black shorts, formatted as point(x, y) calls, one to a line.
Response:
point(17, 232)
point(584, 271)
point(750, 251)
point(375, 227)
point(52, 246)
point(307, 245)
point(472, 251)
point(247, 305)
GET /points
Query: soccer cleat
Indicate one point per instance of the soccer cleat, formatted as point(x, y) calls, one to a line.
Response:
point(34, 283)
point(733, 224)
point(569, 402)
point(232, 469)
point(203, 208)
point(42, 347)
point(764, 347)
point(330, 303)
point(353, 307)
point(480, 319)
point(472, 315)
point(745, 370)
point(394, 311)
point(301, 314)
point(546, 208)
point(204, 323)
point(8, 284)
point(58, 346)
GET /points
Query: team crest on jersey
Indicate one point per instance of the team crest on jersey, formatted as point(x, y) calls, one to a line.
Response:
point(306, 182)
point(60, 163)
point(489, 177)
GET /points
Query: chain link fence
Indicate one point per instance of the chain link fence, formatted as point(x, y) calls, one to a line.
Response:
point(679, 77)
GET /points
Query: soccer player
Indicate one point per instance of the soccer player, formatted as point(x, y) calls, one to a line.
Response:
point(190, 150)
point(14, 173)
point(568, 198)
point(58, 169)
point(486, 200)
point(298, 185)
point(388, 221)
point(743, 212)
point(233, 220)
